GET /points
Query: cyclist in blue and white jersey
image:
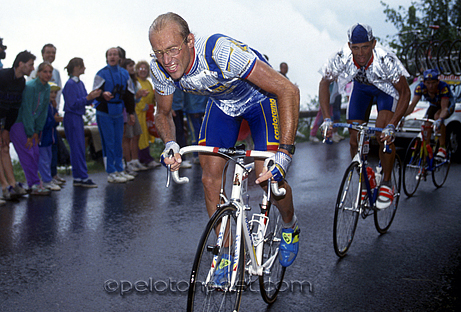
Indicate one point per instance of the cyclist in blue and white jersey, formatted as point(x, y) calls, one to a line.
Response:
point(240, 85)
point(377, 74)
point(441, 104)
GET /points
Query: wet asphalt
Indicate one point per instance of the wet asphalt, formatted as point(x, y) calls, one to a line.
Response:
point(130, 247)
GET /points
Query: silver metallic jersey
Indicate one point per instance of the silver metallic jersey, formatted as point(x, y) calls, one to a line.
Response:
point(384, 71)
point(221, 66)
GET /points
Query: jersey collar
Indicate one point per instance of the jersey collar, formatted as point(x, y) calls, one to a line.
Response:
point(193, 63)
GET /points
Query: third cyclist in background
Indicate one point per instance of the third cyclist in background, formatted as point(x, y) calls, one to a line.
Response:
point(441, 105)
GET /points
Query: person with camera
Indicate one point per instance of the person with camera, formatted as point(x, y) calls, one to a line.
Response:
point(2, 52)
point(117, 93)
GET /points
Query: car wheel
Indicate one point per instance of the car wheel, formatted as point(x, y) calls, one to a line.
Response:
point(454, 137)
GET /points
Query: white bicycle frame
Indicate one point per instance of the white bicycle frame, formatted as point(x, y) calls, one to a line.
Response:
point(253, 241)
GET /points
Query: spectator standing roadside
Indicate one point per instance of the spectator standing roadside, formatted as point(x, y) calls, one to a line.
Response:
point(49, 137)
point(12, 84)
point(117, 93)
point(142, 71)
point(26, 131)
point(132, 131)
point(76, 98)
point(49, 55)
point(284, 69)
point(2, 52)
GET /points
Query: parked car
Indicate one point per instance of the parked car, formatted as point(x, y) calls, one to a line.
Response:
point(411, 127)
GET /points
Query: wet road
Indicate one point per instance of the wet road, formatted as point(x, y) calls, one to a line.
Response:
point(131, 247)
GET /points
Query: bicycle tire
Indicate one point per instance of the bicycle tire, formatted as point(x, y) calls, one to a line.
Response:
point(412, 165)
point(272, 277)
point(431, 54)
point(455, 57)
point(384, 217)
point(420, 56)
point(440, 167)
point(207, 296)
point(443, 61)
point(347, 210)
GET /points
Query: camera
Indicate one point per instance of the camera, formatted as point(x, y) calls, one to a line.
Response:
point(118, 89)
point(2, 48)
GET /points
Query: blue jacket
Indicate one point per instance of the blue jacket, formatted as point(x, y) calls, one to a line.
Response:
point(49, 134)
point(75, 94)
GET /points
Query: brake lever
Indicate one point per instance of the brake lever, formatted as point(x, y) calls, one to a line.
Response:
point(386, 148)
point(168, 169)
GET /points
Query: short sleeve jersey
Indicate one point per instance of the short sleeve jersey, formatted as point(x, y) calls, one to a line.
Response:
point(219, 70)
point(443, 90)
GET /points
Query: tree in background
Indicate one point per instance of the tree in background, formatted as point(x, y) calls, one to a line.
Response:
point(421, 14)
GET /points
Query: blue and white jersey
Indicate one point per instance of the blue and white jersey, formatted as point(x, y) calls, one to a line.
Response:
point(220, 68)
point(383, 71)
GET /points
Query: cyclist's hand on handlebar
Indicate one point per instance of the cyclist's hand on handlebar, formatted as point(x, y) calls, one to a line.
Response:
point(438, 123)
point(171, 156)
point(275, 166)
point(388, 134)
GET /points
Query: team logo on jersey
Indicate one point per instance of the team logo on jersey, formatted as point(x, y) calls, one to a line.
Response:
point(275, 118)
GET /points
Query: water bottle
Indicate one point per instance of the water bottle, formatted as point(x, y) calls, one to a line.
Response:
point(371, 177)
point(378, 175)
point(429, 150)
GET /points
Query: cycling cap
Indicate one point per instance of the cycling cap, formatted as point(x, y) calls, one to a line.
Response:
point(360, 33)
point(431, 74)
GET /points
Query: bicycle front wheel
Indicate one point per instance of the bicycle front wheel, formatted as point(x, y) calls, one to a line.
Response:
point(211, 287)
point(412, 167)
point(384, 217)
point(347, 210)
point(273, 272)
point(440, 167)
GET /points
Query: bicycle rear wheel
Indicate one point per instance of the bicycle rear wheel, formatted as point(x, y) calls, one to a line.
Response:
point(455, 57)
point(273, 272)
point(412, 167)
point(443, 61)
point(206, 293)
point(440, 167)
point(347, 210)
point(384, 217)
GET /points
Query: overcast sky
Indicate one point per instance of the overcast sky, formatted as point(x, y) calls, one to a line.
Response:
point(303, 33)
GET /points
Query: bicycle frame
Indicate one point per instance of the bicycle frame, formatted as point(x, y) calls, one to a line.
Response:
point(253, 241)
point(362, 150)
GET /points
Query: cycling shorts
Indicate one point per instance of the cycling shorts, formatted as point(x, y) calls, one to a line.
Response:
point(221, 130)
point(363, 96)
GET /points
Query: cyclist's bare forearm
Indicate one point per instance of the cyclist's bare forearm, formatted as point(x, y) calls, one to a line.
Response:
point(404, 99)
point(324, 97)
point(163, 118)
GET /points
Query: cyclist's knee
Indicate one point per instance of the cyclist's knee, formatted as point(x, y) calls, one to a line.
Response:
point(210, 180)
